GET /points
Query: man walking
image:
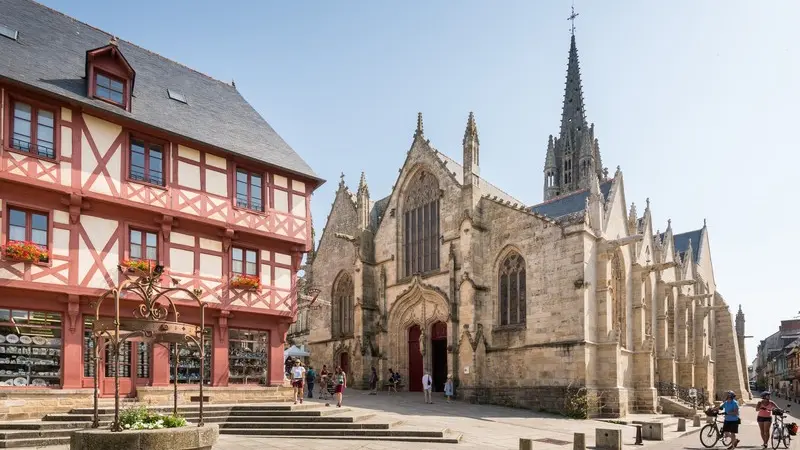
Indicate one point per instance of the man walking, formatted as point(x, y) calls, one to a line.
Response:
point(427, 386)
point(311, 376)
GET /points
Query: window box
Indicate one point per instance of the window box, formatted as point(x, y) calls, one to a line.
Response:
point(133, 265)
point(26, 252)
point(246, 282)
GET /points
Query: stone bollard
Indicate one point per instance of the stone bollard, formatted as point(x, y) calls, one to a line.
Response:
point(696, 422)
point(681, 424)
point(607, 439)
point(638, 440)
point(579, 442)
point(525, 444)
point(653, 431)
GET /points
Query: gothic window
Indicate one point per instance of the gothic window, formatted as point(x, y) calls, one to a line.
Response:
point(421, 225)
point(342, 320)
point(511, 290)
point(568, 168)
point(549, 179)
point(618, 299)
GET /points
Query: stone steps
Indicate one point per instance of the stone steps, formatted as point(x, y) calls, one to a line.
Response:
point(280, 421)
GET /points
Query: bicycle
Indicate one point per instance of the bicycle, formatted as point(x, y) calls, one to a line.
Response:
point(782, 433)
point(712, 433)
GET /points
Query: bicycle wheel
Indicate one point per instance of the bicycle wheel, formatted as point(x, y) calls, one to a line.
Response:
point(787, 441)
point(709, 435)
point(777, 438)
point(727, 441)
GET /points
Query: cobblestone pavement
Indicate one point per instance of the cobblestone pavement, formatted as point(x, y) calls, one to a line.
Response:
point(482, 427)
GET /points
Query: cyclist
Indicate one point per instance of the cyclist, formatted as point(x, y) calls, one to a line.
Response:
point(731, 425)
point(765, 407)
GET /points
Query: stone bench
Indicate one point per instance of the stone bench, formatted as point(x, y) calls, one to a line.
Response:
point(607, 439)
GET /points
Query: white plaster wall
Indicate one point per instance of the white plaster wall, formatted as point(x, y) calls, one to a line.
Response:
point(66, 142)
point(283, 278)
point(101, 231)
point(282, 258)
point(188, 175)
point(188, 153)
point(281, 199)
point(181, 261)
point(216, 182)
point(103, 133)
point(216, 161)
point(210, 244)
point(210, 265)
point(181, 239)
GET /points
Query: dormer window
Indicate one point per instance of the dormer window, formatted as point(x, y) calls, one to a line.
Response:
point(109, 75)
point(109, 88)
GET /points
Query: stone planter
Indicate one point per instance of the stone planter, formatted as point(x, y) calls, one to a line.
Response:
point(190, 437)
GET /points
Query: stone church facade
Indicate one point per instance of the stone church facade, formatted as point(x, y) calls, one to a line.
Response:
point(521, 304)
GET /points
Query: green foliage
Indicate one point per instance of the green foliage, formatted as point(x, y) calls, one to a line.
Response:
point(142, 419)
point(576, 402)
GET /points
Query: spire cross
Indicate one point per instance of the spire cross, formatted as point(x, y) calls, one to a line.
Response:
point(572, 17)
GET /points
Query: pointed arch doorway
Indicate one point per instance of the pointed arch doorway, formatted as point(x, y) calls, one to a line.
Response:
point(415, 362)
point(439, 355)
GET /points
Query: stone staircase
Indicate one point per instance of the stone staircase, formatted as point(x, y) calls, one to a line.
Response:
point(311, 421)
point(677, 407)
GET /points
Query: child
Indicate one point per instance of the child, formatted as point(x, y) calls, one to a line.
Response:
point(448, 388)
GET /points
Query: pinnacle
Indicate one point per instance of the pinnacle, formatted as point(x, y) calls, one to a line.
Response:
point(472, 129)
point(362, 184)
point(419, 131)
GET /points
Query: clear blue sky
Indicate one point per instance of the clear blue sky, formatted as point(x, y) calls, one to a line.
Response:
point(696, 101)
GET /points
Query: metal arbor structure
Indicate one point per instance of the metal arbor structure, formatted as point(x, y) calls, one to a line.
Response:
point(155, 320)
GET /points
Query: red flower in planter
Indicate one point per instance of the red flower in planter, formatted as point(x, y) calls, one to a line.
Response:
point(26, 251)
point(246, 282)
point(138, 264)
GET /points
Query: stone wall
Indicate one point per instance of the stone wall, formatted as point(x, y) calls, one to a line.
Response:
point(188, 395)
point(17, 404)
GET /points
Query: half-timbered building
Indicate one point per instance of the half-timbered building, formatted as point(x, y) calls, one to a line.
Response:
point(115, 156)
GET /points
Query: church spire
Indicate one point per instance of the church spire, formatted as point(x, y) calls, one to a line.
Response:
point(575, 153)
point(471, 145)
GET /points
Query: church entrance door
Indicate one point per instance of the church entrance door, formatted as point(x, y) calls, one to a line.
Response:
point(414, 359)
point(439, 355)
point(344, 363)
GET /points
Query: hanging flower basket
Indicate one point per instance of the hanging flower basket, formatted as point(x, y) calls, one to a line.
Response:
point(26, 252)
point(246, 282)
point(137, 264)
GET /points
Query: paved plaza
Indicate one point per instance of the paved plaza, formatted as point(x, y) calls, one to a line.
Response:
point(481, 426)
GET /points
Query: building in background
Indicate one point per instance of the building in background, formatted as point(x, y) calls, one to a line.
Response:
point(777, 364)
point(113, 155)
point(523, 305)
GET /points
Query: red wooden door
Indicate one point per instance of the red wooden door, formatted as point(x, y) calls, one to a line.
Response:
point(414, 359)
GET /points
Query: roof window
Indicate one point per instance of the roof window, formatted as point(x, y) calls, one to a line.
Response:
point(177, 96)
point(8, 32)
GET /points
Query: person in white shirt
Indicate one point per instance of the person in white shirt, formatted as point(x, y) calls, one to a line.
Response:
point(427, 387)
point(298, 375)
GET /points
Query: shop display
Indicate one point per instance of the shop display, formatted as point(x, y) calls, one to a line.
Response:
point(248, 356)
point(30, 348)
point(189, 362)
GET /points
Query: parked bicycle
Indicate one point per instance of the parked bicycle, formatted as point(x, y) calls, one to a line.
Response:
point(712, 433)
point(781, 432)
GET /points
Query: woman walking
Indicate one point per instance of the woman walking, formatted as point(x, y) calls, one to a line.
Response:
point(765, 407)
point(298, 373)
point(448, 388)
point(731, 425)
point(341, 383)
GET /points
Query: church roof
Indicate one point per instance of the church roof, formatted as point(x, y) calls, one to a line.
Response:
point(682, 243)
point(569, 204)
point(486, 188)
point(50, 55)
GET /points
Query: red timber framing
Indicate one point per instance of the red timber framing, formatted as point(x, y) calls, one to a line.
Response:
point(92, 205)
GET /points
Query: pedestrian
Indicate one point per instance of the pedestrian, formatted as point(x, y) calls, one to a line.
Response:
point(764, 419)
point(298, 373)
point(324, 376)
point(448, 388)
point(394, 380)
point(373, 382)
point(311, 377)
point(427, 386)
point(288, 364)
point(341, 383)
point(732, 420)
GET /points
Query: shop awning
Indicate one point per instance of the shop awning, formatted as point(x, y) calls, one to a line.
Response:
point(294, 352)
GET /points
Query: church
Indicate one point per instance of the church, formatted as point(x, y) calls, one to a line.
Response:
point(573, 303)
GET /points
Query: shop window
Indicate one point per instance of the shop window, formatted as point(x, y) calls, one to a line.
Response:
point(30, 348)
point(248, 352)
point(144, 360)
point(124, 361)
point(189, 362)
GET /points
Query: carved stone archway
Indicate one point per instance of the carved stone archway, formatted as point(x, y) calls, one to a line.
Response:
point(421, 305)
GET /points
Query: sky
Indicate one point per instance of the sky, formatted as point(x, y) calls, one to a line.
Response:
point(695, 100)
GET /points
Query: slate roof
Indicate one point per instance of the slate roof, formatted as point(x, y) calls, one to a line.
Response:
point(486, 188)
point(50, 54)
point(682, 243)
point(570, 203)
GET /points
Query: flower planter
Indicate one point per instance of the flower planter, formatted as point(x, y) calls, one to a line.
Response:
point(26, 252)
point(190, 437)
point(134, 265)
point(245, 283)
